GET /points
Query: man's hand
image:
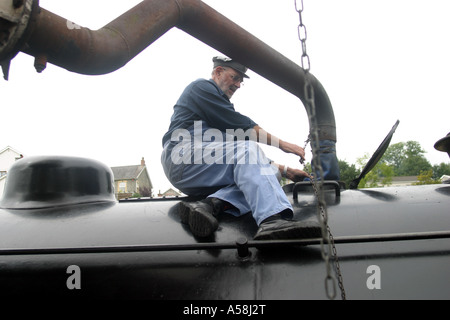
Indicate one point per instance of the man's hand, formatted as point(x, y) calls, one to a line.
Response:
point(272, 140)
point(296, 175)
point(292, 148)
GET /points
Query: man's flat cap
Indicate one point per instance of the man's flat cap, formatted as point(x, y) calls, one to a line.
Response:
point(227, 62)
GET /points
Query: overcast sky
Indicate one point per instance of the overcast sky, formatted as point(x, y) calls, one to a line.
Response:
point(379, 61)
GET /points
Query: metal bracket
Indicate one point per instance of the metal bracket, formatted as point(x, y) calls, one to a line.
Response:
point(307, 185)
point(5, 68)
point(242, 248)
point(14, 18)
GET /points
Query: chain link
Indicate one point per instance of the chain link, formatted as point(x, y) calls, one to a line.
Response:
point(303, 36)
point(328, 247)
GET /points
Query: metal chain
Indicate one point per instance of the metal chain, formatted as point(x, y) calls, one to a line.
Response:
point(328, 247)
point(330, 242)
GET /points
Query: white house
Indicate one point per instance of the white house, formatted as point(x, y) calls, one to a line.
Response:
point(7, 158)
point(132, 179)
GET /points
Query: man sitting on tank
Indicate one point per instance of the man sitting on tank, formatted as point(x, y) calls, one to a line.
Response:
point(211, 150)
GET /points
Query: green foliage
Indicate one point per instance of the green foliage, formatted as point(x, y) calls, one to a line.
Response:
point(308, 167)
point(380, 175)
point(348, 172)
point(406, 158)
point(441, 169)
point(426, 177)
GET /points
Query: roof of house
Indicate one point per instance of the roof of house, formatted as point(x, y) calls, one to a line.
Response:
point(170, 193)
point(11, 149)
point(127, 172)
point(130, 172)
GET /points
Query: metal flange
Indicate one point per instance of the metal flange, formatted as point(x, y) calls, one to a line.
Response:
point(15, 16)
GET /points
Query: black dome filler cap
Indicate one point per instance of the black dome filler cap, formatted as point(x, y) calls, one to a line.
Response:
point(51, 181)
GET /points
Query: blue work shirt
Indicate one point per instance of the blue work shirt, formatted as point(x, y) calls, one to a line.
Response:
point(248, 186)
point(203, 100)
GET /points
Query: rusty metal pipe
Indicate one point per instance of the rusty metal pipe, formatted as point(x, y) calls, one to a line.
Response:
point(84, 51)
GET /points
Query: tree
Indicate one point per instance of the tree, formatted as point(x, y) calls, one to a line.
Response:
point(426, 177)
point(394, 156)
point(380, 175)
point(407, 159)
point(348, 172)
point(145, 191)
point(440, 170)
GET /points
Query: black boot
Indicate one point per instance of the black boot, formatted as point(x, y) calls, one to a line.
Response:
point(201, 216)
point(277, 228)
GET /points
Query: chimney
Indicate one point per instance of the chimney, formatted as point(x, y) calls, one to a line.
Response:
point(142, 162)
